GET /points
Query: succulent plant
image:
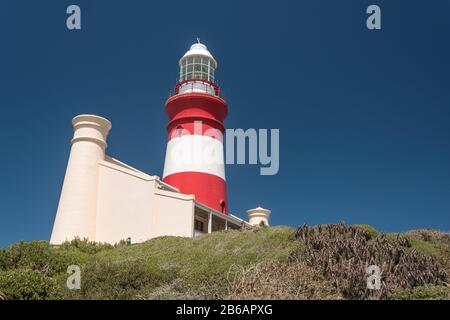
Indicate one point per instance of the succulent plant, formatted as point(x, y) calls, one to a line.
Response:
point(343, 253)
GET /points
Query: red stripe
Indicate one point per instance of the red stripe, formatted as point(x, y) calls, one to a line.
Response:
point(199, 105)
point(208, 189)
point(181, 128)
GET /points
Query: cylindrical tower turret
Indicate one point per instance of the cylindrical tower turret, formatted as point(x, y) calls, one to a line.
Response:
point(258, 216)
point(194, 158)
point(76, 213)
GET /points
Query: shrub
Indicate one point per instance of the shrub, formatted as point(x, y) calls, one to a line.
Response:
point(35, 255)
point(428, 292)
point(86, 246)
point(120, 279)
point(432, 236)
point(324, 262)
point(432, 242)
point(174, 290)
point(371, 231)
point(342, 253)
point(201, 264)
point(26, 284)
point(272, 280)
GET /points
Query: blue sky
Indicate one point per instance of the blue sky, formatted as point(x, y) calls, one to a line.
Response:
point(363, 115)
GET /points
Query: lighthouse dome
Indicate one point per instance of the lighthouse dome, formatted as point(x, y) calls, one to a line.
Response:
point(199, 49)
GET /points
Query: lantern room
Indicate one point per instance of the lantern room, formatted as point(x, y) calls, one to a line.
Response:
point(197, 71)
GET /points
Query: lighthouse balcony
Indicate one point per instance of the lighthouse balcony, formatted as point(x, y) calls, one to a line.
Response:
point(197, 86)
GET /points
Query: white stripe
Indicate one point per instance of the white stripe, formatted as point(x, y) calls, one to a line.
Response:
point(194, 153)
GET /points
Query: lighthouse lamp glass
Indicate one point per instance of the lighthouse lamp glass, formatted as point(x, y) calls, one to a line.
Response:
point(197, 67)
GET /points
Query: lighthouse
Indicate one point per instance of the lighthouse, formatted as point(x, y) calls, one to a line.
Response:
point(106, 200)
point(194, 162)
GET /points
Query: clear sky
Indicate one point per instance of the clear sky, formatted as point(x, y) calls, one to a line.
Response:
point(363, 115)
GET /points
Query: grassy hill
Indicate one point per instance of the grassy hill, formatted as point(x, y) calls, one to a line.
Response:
point(324, 262)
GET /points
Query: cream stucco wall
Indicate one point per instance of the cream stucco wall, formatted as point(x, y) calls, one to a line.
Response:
point(130, 204)
point(173, 214)
point(125, 204)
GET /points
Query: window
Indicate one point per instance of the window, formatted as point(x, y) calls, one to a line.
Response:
point(179, 132)
point(198, 225)
point(197, 67)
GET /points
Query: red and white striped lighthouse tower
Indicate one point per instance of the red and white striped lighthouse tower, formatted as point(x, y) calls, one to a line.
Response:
point(194, 161)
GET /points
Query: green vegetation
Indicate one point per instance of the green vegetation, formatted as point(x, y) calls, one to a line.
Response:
point(26, 284)
point(373, 233)
point(263, 263)
point(423, 293)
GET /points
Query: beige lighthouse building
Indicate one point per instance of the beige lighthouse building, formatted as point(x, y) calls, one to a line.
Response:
point(106, 200)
